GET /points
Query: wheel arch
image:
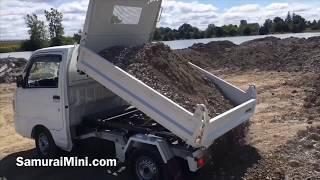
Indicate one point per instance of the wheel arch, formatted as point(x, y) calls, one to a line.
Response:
point(147, 142)
point(37, 128)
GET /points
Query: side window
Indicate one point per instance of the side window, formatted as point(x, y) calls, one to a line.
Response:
point(44, 72)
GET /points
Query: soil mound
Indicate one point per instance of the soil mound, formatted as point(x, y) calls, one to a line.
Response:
point(10, 68)
point(270, 53)
point(213, 46)
point(170, 74)
point(262, 41)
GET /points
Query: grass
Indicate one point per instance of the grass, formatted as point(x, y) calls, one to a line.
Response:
point(9, 46)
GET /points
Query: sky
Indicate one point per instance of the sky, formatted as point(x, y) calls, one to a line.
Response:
point(198, 13)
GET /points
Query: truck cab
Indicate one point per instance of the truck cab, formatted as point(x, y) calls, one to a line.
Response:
point(40, 101)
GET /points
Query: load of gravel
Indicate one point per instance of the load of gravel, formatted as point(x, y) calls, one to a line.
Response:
point(169, 73)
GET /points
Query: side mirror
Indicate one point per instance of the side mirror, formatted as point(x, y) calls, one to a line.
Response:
point(20, 81)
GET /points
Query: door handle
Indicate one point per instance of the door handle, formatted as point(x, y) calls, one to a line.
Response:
point(56, 97)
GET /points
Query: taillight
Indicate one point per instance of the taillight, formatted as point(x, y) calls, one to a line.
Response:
point(201, 162)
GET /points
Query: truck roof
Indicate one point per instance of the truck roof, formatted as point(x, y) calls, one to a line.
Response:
point(55, 48)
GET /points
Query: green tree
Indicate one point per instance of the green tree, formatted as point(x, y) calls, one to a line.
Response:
point(247, 31)
point(299, 23)
point(37, 32)
point(288, 18)
point(278, 24)
point(157, 35)
point(314, 25)
point(254, 28)
point(288, 23)
point(243, 22)
point(267, 25)
point(210, 31)
point(77, 36)
point(56, 30)
point(263, 30)
point(185, 30)
point(219, 31)
point(242, 26)
point(230, 30)
point(67, 40)
point(115, 19)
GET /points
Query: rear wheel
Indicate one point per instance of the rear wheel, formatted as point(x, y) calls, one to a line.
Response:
point(46, 148)
point(147, 165)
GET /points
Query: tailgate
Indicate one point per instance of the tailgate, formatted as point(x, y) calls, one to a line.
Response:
point(245, 102)
point(223, 123)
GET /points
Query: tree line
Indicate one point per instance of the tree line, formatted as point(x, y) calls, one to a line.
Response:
point(293, 23)
point(45, 36)
point(53, 35)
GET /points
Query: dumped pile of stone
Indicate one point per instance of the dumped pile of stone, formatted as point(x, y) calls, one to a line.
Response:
point(10, 68)
point(170, 74)
point(270, 53)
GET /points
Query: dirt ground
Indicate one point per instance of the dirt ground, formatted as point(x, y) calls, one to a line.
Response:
point(10, 141)
point(278, 115)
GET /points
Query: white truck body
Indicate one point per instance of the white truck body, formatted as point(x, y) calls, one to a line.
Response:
point(59, 104)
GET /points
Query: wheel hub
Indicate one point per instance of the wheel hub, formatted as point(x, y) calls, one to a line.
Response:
point(146, 168)
point(43, 143)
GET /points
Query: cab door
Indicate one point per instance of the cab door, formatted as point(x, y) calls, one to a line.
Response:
point(38, 101)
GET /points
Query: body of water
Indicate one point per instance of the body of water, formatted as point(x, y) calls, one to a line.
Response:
point(24, 54)
point(180, 44)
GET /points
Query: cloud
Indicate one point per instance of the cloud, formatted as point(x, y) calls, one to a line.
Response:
point(244, 8)
point(258, 13)
point(174, 13)
point(12, 13)
point(250, 12)
point(275, 6)
point(73, 15)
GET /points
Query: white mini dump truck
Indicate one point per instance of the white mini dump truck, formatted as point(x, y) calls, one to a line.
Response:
point(69, 93)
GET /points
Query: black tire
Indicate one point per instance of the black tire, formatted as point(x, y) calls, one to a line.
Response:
point(147, 165)
point(45, 145)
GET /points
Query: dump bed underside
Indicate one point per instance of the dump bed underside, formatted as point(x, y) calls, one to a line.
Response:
point(130, 120)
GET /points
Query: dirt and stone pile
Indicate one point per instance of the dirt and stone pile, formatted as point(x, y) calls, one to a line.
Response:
point(10, 68)
point(170, 74)
point(298, 159)
point(270, 53)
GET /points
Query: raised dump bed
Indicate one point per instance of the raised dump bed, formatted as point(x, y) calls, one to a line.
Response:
point(131, 23)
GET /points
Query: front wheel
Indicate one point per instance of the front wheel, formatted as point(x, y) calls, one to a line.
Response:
point(46, 148)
